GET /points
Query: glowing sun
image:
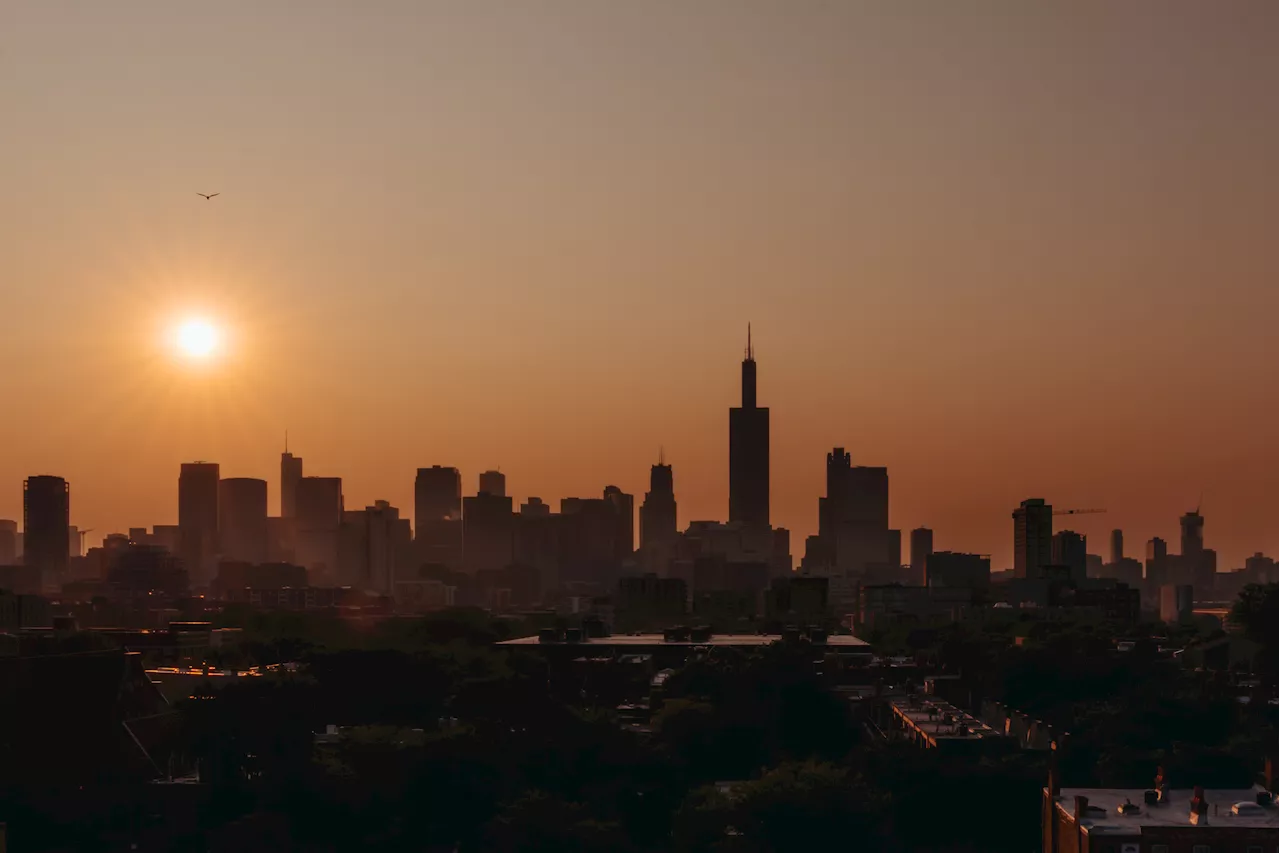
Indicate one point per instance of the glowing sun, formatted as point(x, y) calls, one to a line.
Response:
point(197, 339)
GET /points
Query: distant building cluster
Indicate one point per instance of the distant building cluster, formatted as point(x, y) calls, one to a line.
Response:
point(585, 556)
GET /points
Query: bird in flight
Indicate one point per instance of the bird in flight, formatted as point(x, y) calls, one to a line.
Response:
point(207, 196)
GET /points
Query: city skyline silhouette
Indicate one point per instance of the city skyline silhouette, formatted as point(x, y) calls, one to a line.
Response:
point(970, 257)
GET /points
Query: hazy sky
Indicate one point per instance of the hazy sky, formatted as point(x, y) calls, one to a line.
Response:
point(1007, 249)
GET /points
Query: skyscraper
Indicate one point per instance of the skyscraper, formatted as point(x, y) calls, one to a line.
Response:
point(853, 517)
point(658, 527)
point(376, 546)
point(242, 519)
point(749, 452)
point(320, 506)
point(437, 516)
point(488, 532)
point(1070, 549)
point(8, 542)
point(493, 483)
point(46, 510)
point(1117, 546)
point(198, 520)
point(1032, 538)
point(1192, 524)
point(290, 474)
point(921, 548)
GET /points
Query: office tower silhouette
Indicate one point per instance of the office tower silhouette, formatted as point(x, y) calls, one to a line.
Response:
point(375, 548)
point(749, 451)
point(493, 483)
point(1192, 525)
point(320, 507)
point(535, 508)
point(488, 532)
point(853, 517)
point(8, 542)
point(437, 516)
point(290, 474)
point(242, 519)
point(1032, 538)
point(1070, 549)
point(198, 520)
point(921, 548)
point(46, 510)
point(596, 537)
point(1157, 563)
point(895, 549)
point(1117, 546)
point(658, 526)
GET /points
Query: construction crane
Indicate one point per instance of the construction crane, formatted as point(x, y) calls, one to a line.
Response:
point(82, 534)
point(1077, 511)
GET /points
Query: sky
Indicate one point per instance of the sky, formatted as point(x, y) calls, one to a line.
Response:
point(1005, 249)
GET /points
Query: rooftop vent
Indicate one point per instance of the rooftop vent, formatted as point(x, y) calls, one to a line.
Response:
point(1150, 797)
point(573, 635)
point(1247, 809)
point(1264, 798)
point(1128, 808)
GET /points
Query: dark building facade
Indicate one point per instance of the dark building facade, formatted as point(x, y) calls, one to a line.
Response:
point(658, 523)
point(749, 452)
point(290, 474)
point(1070, 549)
point(46, 515)
point(437, 516)
point(242, 519)
point(320, 507)
point(921, 548)
point(488, 533)
point(1032, 538)
point(944, 569)
point(493, 483)
point(198, 520)
point(853, 518)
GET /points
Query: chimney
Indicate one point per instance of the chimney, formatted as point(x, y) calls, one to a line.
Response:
point(1055, 784)
point(1082, 808)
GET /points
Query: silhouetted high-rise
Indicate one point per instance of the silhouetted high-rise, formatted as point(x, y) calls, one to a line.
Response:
point(1032, 538)
point(921, 548)
point(8, 542)
point(853, 517)
point(437, 516)
point(242, 519)
point(320, 506)
point(493, 483)
point(46, 510)
point(749, 452)
point(198, 520)
point(290, 474)
point(1070, 549)
point(658, 526)
point(488, 532)
point(1192, 524)
point(1117, 546)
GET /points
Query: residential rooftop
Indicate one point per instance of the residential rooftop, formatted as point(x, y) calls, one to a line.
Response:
point(1104, 804)
point(844, 641)
point(935, 720)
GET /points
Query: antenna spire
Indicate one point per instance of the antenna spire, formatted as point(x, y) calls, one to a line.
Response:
point(662, 455)
point(286, 441)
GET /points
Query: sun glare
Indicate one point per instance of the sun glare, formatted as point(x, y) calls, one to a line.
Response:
point(197, 339)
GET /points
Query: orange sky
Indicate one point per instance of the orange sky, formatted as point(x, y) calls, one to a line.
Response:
point(1005, 249)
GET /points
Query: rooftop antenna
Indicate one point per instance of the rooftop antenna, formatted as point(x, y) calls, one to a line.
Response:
point(662, 455)
point(751, 353)
point(286, 441)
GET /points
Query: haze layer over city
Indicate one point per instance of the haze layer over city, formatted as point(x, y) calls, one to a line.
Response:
point(1022, 252)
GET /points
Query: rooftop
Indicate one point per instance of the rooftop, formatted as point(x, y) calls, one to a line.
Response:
point(938, 720)
point(1109, 820)
point(837, 640)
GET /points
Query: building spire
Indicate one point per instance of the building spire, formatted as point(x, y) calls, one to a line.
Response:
point(286, 441)
point(751, 353)
point(662, 455)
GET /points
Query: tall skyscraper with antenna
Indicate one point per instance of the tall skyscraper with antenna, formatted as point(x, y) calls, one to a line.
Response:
point(749, 451)
point(290, 474)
